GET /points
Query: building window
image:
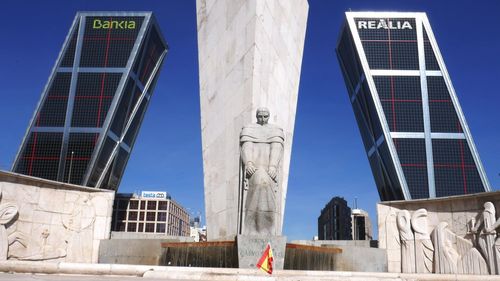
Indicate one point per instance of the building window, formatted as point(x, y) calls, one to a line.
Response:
point(151, 205)
point(150, 227)
point(134, 205)
point(162, 216)
point(131, 227)
point(162, 205)
point(160, 228)
point(143, 205)
point(132, 216)
point(150, 216)
point(120, 226)
point(141, 216)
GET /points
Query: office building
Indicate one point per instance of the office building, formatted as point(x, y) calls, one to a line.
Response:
point(413, 128)
point(90, 111)
point(361, 225)
point(199, 234)
point(149, 214)
point(334, 223)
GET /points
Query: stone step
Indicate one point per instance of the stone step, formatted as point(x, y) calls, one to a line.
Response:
point(223, 274)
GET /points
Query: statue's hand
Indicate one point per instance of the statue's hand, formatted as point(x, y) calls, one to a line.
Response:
point(272, 172)
point(250, 169)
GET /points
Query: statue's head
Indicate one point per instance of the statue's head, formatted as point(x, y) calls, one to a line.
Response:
point(262, 115)
point(489, 207)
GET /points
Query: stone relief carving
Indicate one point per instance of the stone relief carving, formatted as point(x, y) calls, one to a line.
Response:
point(391, 229)
point(471, 262)
point(19, 245)
point(262, 147)
point(487, 237)
point(445, 256)
point(78, 223)
point(7, 212)
point(407, 242)
point(28, 248)
point(455, 254)
point(445, 252)
point(78, 220)
point(82, 215)
point(423, 245)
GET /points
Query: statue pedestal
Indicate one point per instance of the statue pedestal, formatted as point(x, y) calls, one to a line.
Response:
point(251, 248)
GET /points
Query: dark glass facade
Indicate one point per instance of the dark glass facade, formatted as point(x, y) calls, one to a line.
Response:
point(359, 228)
point(90, 112)
point(334, 223)
point(412, 126)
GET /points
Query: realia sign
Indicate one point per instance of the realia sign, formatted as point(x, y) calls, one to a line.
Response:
point(384, 24)
point(154, 194)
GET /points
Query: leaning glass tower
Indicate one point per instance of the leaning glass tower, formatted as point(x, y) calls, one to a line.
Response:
point(90, 111)
point(413, 128)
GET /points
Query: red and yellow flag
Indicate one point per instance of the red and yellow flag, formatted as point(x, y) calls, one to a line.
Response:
point(266, 261)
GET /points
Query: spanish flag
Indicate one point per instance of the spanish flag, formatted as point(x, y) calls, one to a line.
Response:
point(266, 261)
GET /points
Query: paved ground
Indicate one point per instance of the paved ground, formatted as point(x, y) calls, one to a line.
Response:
point(50, 277)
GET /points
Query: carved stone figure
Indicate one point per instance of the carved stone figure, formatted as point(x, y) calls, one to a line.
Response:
point(35, 248)
point(454, 254)
point(391, 230)
point(7, 212)
point(424, 250)
point(488, 241)
point(18, 245)
point(261, 153)
point(475, 251)
point(446, 256)
point(79, 225)
point(471, 261)
point(407, 242)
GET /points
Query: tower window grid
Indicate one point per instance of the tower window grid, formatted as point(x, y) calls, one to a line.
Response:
point(70, 137)
point(386, 56)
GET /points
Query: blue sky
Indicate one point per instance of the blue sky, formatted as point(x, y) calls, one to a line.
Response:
point(328, 157)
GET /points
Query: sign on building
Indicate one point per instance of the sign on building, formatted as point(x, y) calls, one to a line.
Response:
point(154, 194)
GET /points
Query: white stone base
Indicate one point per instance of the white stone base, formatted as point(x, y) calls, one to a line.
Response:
point(197, 273)
point(251, 249)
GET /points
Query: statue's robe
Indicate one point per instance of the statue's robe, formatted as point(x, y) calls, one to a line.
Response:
point(263, 146)
point(487, 241)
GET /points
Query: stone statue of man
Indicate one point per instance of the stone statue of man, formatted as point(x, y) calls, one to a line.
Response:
point(261, 153)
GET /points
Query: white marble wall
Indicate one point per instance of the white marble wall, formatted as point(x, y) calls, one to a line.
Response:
point(456, 211)
point(54, 221)
point(250, 55)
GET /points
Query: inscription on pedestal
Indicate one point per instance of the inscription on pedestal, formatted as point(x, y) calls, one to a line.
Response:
point(251, 248)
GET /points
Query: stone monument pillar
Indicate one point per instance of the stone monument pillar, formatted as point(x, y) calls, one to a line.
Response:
point(250, 55)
